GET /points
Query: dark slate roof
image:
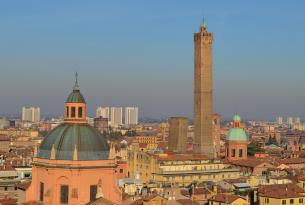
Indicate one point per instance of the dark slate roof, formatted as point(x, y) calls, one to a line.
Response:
point(91, 145)
point(75, 97)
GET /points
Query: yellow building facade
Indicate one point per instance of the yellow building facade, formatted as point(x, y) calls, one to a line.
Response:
point(177, 169)
point(281, 201)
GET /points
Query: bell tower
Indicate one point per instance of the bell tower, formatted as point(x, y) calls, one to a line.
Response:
point(203, 98)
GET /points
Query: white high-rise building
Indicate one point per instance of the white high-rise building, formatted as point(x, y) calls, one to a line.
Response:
point(289, 120)
point(31, 114)
point(131, 115)
point(279, 120)
point(4, 123)
point(116, 116)
point(103, 112)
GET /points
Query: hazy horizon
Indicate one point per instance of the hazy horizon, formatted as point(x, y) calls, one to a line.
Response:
point(141, 54)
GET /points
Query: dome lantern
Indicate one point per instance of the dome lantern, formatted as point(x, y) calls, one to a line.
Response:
point(76, 109)
point(236, 121)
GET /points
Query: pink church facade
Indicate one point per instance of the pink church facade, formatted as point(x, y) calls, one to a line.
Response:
point(79, 176)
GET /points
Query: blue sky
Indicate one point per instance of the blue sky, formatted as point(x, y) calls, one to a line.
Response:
point(141, 53)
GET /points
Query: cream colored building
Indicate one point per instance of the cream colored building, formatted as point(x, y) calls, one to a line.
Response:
point(179, 169)
point(19, 133)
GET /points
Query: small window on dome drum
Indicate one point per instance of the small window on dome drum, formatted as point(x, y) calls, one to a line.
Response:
point(240, 153)
point(233, 152)
point(67, 111)
point(72, 111)
point(80, 112)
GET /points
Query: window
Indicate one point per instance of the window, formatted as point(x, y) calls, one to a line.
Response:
point(300, 200)
point(284, 202)
point(64, 194)
point(72, 111)
point(80, 112)
point(121, 170)
point(233, 152)
point(267, 200)
point(5, 188)
point(41, 191)
point(291, 201)
point(67, 111)
point(240, 154)
point(93, 192)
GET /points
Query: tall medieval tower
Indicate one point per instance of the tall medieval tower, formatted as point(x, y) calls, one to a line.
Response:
point(203, 102)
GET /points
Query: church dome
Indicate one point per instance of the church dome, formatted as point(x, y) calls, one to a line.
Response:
point(69, 138)
point(74, 139)
point(75, 97)
point(237, 134)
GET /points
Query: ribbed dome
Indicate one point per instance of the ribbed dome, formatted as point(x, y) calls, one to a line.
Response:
point(237, 134)
point(75, 97)
point(67, 138)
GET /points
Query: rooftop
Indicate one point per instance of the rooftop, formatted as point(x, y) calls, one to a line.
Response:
point(281, 191)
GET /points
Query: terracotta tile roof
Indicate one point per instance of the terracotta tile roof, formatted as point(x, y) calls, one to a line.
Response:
point(4, 138)
point(253, 162)
point(223, 198)
point(8, 201)
point(239, 180)
point(137, 202)
point(24, 185)
point(150, 197)
point(281, 191)
point(292, 161)
point(7, 168)
point(142, 145)
point(197, 191)
point(187, 202)
point(162, 145)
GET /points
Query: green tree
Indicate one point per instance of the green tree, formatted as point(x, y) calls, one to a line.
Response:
point(254, 147)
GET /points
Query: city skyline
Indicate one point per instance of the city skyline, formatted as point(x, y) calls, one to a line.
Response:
point(253, 76)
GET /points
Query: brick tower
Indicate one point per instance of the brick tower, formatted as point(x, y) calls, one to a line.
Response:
point(203, 102)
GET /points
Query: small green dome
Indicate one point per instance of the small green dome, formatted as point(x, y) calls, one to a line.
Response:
point(237, 134)
point(236, 118)
point(75, 97)
point(90, 144)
